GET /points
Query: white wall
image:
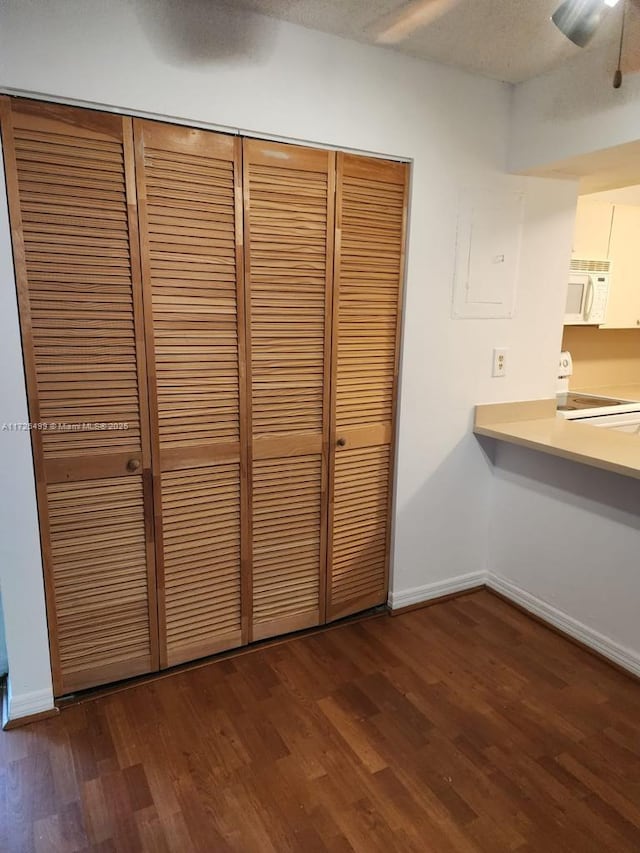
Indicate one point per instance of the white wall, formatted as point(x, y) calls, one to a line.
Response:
point(4, 660)
point(566, 540)
point(443, 479)
point(297, 83)
point(25, 624)
point(573, 110)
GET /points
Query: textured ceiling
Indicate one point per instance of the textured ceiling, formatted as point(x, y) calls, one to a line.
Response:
point(510, 40)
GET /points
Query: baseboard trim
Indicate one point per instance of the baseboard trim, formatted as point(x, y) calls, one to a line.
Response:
point(19, 722)
point(430, 593)
point(22, 709)
point(587, 638)
point(439, 599)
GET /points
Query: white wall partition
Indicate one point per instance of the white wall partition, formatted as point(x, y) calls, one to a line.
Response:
point(565, 542)
point(25, 624)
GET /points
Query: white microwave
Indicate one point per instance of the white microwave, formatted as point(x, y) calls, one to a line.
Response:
point(587, 293)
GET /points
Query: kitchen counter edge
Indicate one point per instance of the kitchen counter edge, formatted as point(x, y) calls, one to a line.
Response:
point(534, 424)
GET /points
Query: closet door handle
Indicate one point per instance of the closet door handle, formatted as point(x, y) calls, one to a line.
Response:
point(341, 442)
point(133, 464)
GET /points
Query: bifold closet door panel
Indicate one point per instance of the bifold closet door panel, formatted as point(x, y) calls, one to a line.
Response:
point(71, 189)
point(371, 203)
point(289, 203)
point(190, 206)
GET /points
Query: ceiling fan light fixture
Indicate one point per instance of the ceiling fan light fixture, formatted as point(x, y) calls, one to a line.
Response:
point(578, 20)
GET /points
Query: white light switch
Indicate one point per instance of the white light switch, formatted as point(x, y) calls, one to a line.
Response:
point(499, 362)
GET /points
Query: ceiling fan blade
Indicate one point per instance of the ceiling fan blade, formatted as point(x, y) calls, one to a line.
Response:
point(415, 15)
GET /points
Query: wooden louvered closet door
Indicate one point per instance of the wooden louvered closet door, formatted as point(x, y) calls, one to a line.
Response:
point(191, 234)
point(72, 205)
point(249, 494)
point(289, 199)
point(371, 202)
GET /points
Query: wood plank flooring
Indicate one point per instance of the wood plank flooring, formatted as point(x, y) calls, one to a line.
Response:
point(462, 727)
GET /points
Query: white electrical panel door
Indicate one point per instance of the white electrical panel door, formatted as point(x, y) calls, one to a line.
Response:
point(487, 253)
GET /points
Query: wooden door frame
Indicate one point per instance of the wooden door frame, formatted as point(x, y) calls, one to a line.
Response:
point(395, 420)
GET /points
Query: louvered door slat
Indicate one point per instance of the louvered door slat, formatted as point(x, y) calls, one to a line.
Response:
point(72, 204)
point(288, 194)
point(188, 188)
point(370, 223)
point(51, 305)
point(103, 619)
point(202, 594)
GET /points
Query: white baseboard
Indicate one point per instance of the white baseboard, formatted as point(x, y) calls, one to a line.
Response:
point(26, 704)
point(623, 656)
point(607, 647)
point(418, 594)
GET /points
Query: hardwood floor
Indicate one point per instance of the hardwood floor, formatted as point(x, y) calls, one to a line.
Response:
point(464, 726)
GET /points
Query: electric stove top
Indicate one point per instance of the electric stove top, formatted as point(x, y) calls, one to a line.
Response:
point(573, 405)
point(572, 402)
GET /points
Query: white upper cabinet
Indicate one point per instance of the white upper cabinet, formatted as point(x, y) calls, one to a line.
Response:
point(623, 309)
point(593, 227)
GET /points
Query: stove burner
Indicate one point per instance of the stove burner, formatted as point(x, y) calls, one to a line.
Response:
point(574, 402)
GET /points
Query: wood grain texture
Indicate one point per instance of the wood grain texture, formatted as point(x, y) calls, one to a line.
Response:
point(286, 233)
point(188, 186)
point(190, 244)
point(371, 212)
point(288, 199)
point(98, 546)
point(360, 529)
point(500, 737)
point(80, 285)
point(201, 545)
point(73, 218)
point(287, 513)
